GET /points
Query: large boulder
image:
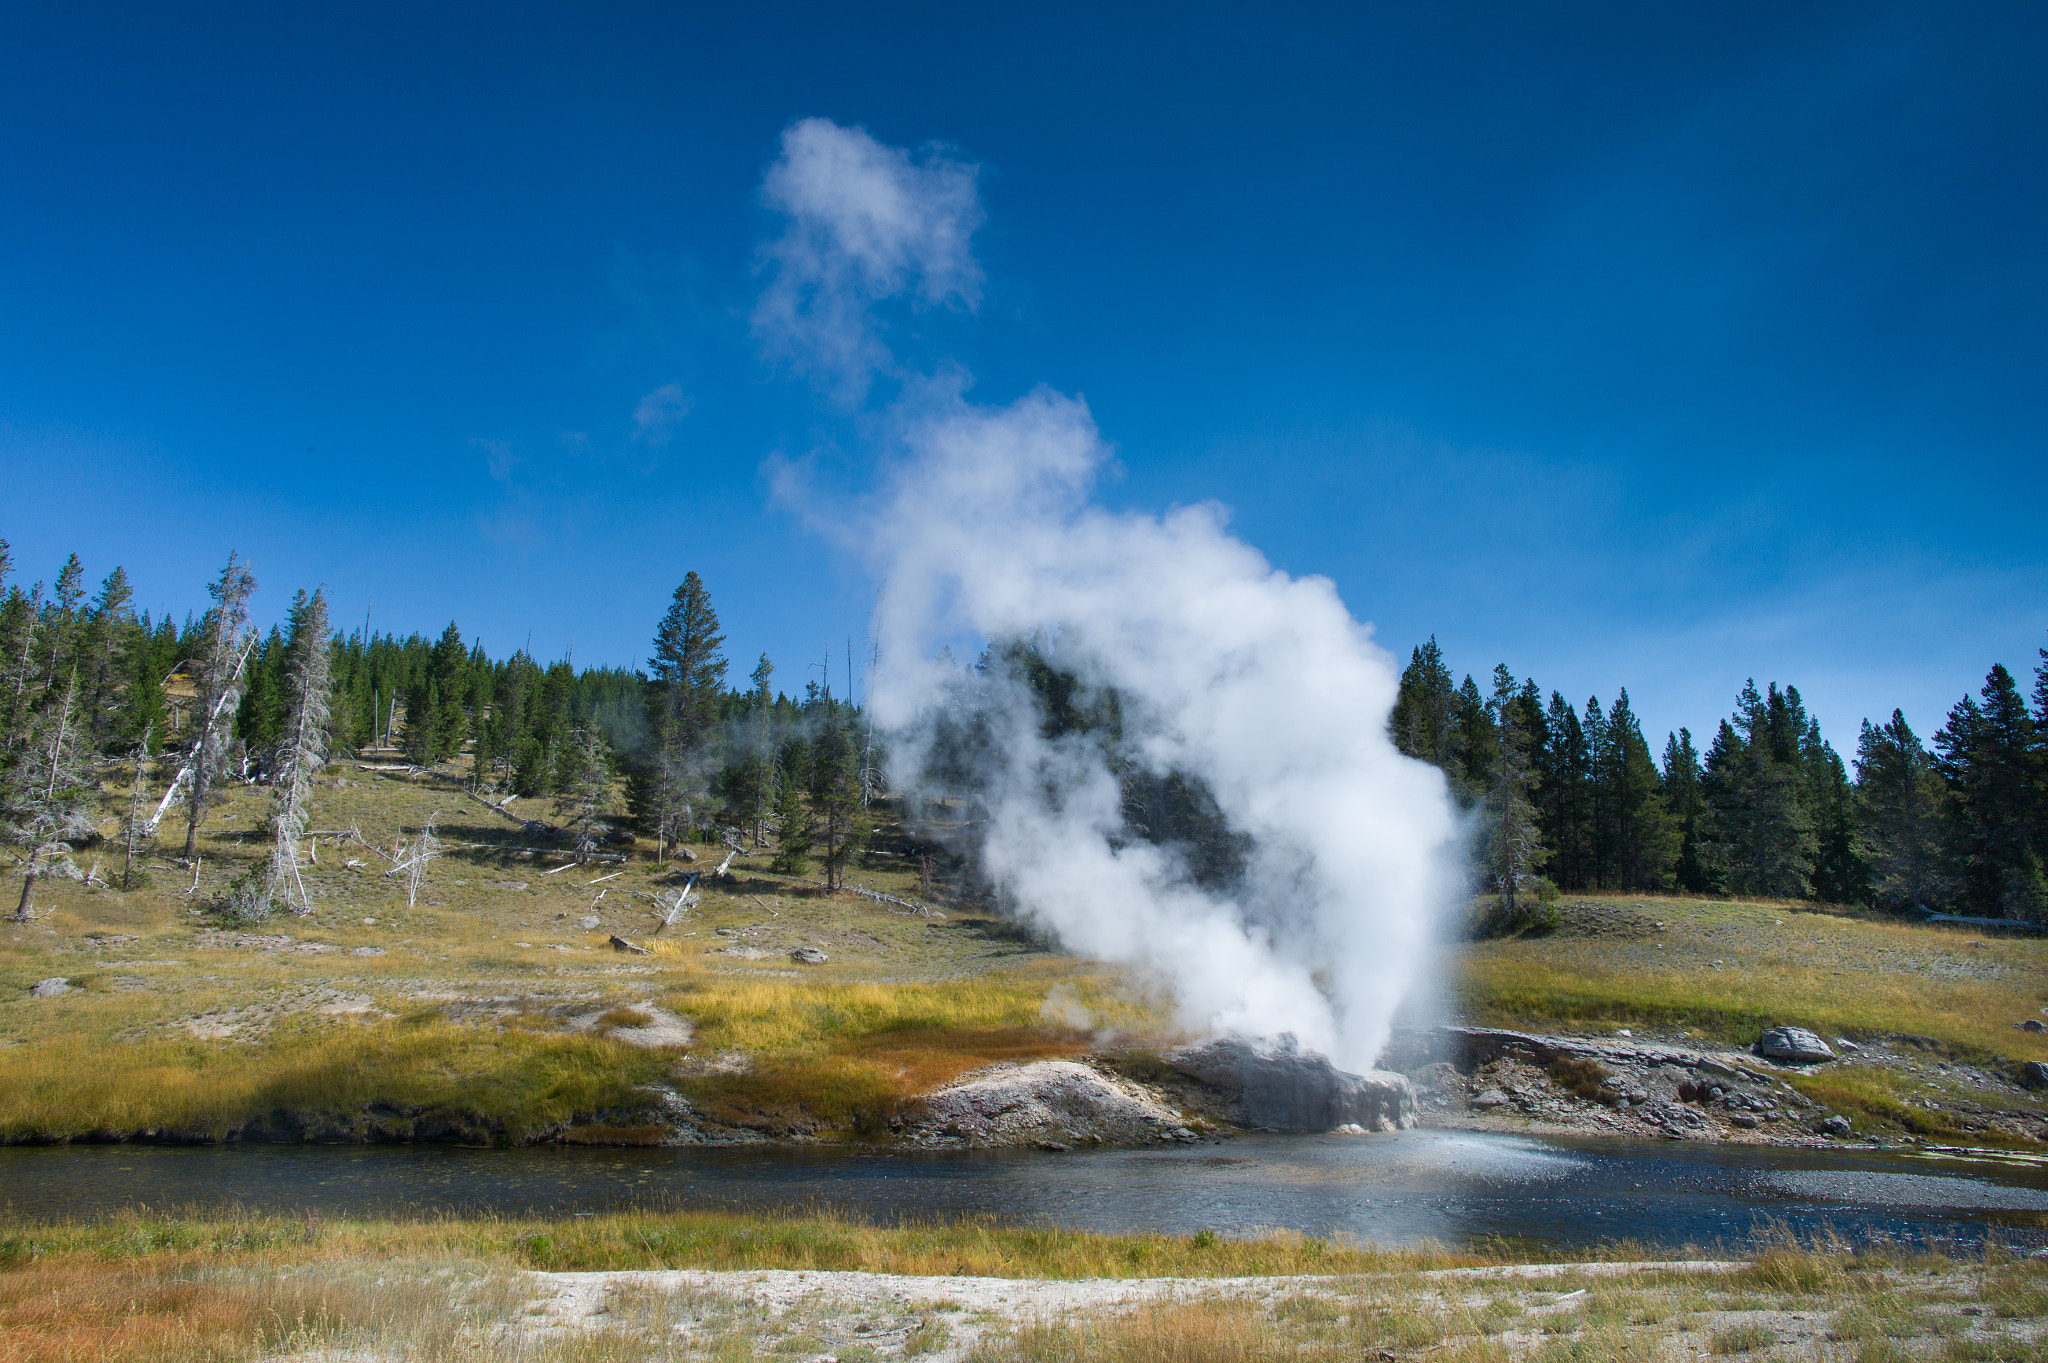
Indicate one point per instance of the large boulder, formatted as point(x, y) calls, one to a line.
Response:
point(50, 988)
point(1050, 1103)
point(1285, 1087)
point(1793, 1045)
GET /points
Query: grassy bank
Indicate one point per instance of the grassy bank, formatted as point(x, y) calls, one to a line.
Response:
point(486, 1002)
point(707, 1240)
point(226, 1291)
point(489, 1005)
point(1726, 969)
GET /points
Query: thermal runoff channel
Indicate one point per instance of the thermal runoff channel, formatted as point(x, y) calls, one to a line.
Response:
point(1173, 756)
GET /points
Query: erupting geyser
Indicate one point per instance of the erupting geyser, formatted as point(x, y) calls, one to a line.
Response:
point(1255, 690)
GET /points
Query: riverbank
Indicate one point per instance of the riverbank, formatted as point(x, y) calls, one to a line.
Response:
point(812, 1290)
point(520, 998)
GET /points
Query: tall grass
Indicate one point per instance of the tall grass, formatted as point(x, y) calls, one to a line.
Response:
point(1835, 974)
point(709, 1240)
point(79, 1085)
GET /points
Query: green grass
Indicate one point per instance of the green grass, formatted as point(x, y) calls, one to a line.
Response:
point(1840, 975)
point(709, 1240)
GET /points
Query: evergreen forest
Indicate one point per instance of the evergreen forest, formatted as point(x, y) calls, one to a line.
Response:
point(1573, 799)
point(1561, 798)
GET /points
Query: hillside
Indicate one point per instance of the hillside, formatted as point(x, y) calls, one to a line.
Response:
point(496, 1008)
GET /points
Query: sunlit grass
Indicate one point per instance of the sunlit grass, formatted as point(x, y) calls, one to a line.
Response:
point(1835, 974)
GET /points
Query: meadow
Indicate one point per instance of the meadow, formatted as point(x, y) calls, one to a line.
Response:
point(486, 1010)
point(707, 1287)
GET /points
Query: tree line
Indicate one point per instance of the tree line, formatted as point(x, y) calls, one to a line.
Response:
point(90, 686)
point(1572, 799)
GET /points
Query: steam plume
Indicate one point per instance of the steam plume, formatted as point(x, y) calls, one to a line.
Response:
point(1256, 685)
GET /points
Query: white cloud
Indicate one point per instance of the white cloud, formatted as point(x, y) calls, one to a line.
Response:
point(867, 222)
point(498, 458)
point(659, 413)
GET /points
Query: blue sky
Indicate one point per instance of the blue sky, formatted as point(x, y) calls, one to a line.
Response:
point(1644, 346)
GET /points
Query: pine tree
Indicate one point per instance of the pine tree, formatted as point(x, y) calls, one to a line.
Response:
point(221, 658)
point(1839, 874)
point(1901, 818)
point(21, 618)
point(259, 719)
point(1425, 720)
point(1988, 754)
point(1478, 741)
point(1757, 833)
point(108, 668)
point(688, 664)
point(435, 720)
point(1686, 802)
point(1564, 797)
point(689, 676)
point(586, 787)
point(302, 747)
point(1514, 847)
point(798, 834)
point(1644, 839)
point(835, 796)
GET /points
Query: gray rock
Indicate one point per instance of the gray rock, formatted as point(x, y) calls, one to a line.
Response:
point(807, 956)
point(587, 924)
point(2034, 1074)
point(1748, 1121)
point(1837, 1125)
point(1490, 1099)
point(1287, 1088)
point(1794, 1045)
point(2034, 1025)
point(366, 951)
point(50, 988)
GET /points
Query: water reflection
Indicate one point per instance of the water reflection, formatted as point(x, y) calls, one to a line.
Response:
point(1391, 1190)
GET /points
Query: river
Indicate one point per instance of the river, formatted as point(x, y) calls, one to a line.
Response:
point(1452, 1187)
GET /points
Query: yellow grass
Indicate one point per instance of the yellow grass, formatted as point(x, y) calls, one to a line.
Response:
point(1779, 963)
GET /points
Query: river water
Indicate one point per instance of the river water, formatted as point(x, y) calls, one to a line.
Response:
point(1398, 1189)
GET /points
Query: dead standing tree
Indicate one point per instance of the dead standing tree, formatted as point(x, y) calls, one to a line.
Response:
point(410, 860)
point(220, 685)
point(303, 749)
point(45, 804)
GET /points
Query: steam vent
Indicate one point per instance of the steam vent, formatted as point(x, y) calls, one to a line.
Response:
point(1286, 1088)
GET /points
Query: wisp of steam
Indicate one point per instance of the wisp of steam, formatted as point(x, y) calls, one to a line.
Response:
point(1255, 689)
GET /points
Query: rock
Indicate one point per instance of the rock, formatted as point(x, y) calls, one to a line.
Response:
point(1837, 1125)
point(621, 944)
point(587, 924)
point(366, 951)
point(1748, 1121)
point(50, 988)
point(807, 956)
point(2034, 1025)
point(505, 884)
point(1060, 1102)
point(2034, 1074)
point(1794, 1045)
point(1490, 1099)
point(1286, 1088)
point(1843, 1043)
